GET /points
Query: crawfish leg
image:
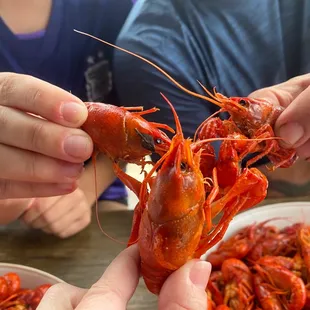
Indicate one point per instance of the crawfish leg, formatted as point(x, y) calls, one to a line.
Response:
point(258, 192)
point(162, 126)
point(150, 111)
point(210, 128)
point(136, 220)
point(208, 241)
point(135, 186)
point(249, 189)
point(228, 168)
point(251, 181)
point(207, 205)
point(143, 112)
point(143, 163)
point(283, 158)
point(265, 131)
point(139, 108)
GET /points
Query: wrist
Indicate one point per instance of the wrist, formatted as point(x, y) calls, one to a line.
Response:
point(105, 176)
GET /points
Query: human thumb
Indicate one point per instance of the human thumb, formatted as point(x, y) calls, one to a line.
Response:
point(186, 287)
point(293, 124)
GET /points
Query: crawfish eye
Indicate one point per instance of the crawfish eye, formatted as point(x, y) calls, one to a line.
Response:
point(243, 102)
point(146, 141)
point(159, 141)
point(183, 166)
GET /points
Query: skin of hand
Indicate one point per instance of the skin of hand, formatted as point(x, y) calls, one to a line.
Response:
point(12, 209)
point(62, 216)
point(184, 289)
point(40, 156)
point(293, 124)
point(69, 214)
point(294, 128)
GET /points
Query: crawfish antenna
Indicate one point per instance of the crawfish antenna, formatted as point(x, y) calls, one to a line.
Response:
point(153, 65)
point(179, 130)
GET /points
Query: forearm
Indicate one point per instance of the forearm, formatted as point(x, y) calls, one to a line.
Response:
point(105, 176)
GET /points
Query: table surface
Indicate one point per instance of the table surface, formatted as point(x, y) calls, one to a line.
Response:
point(80, 260)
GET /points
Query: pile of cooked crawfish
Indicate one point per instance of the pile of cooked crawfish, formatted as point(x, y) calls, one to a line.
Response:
point(174, 218)
point(261, 267)
point(14, 297)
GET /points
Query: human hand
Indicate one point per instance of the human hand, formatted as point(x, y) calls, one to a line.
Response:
point(40, 156)
point(62, 216)
point(12, 209)
point(293, 124)
point(184, 289)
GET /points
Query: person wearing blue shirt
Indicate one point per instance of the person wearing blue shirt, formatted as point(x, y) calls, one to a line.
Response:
point(235, 46)
point(38, 39)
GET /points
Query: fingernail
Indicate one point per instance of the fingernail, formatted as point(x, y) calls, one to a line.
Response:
point(73, 170)
point(72, 112)
point(199, 274)
point(291, 133)
point(78, 146)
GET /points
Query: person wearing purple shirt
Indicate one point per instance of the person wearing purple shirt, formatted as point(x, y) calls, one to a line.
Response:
point(82, 66)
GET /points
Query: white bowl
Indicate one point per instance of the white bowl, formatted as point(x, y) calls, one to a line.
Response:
point(290, 212)
point(29, 277)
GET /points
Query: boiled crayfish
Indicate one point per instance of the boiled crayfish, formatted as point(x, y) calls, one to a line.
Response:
point(172, 220)
point(14, 297)
point(175, 204)
point(275, 263)
point(123, 134)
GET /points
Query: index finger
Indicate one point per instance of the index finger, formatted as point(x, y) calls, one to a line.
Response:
point(284, 93)
point(117, 285)
point(112, 291)
point(33, 95)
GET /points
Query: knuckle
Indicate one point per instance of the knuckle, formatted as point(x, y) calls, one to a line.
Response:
point(54, 227)
point(4, 188)
point(37, 135)
point(303, 80)
point(86, 219)
point(31, 168)
point(56, 290)
point(4, 117)
point(32, 97)
point(7, 87)
point(108, 289)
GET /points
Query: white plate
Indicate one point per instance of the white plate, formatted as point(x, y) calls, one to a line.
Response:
point(30, 277)
point(291, 212)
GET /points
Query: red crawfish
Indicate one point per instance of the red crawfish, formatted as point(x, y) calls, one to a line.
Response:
point(123, 134)
point(171, 214)
point(169, 220)
point(289, 289)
